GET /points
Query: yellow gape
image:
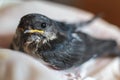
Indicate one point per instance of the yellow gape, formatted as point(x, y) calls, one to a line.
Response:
point(34, 31)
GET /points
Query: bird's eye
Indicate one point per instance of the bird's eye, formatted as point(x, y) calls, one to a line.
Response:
point(43, 25)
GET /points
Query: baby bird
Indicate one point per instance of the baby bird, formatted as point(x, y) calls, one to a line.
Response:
point(58, 43)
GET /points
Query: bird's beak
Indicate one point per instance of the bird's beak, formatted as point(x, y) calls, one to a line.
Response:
point(34, 31)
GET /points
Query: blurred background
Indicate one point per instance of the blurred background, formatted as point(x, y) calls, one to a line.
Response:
point(109, 8)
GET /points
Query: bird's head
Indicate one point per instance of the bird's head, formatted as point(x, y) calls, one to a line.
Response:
point(35, 30)
point(38, 27)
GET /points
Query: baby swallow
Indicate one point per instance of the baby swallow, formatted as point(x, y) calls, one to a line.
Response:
point(58, 43)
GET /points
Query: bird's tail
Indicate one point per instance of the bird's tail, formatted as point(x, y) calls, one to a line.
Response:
point(107, 48)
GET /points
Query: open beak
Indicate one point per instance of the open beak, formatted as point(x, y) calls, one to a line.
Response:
point(34, 31)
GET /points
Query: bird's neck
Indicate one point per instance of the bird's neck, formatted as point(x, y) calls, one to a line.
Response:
point(53, 44)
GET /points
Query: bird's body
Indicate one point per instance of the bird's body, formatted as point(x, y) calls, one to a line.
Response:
point(58, 43)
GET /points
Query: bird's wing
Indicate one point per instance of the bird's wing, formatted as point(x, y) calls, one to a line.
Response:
point(66, 54)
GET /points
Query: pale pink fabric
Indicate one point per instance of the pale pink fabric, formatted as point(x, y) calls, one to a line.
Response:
point(12, 61)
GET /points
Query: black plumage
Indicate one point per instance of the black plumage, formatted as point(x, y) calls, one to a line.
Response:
point(58, 43)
